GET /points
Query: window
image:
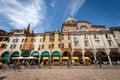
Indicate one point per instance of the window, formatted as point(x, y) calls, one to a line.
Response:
point(22, 40)
point(52, 45)
point(8, 40)
point(20, 46)
point(59, 39)
point(76, 41)
point(97, 42)
point(1, 38)
point(59, 45)
point(68, 34)
point(14, 46)
point(11, 46)
point(3, 46)
point(39, 47)
point(95, 36)
point(110, 43)
point(86, 43)
point(49, 46)
point(32, 40)
point(62, 46)
point(16, 40)
point(107, 35)
point(83, 28)
point(68, 38)
point(51, 39)
point(42, 46)
point(13, 40)
point(40, 40)
point(44, 39)
point(119, 45)
point(69, 45)
point(85, 36)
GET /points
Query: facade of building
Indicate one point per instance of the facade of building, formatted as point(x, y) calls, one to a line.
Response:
point(76, 40)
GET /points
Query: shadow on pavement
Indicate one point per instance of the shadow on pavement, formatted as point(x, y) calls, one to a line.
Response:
point(2, 78)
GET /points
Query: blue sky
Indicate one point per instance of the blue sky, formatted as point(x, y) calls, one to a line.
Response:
point(47, 15)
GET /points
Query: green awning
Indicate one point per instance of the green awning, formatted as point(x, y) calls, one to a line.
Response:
point(35, 54)
point(56, 54)
point(25, 54)
point(5, 56)
point(45, 54)
point(15, 54)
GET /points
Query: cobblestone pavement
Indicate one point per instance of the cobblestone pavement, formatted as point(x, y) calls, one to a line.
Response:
point(64, 73)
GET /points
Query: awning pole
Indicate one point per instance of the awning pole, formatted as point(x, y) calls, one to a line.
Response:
point(39, 58)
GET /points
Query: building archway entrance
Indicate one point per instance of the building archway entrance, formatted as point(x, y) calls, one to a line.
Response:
point(115, 57)
point(77, 54)
point(66, 55)
point(77, 58)
point(90, 55)
point(45, 58)
point(103, 56)
point(56, 58)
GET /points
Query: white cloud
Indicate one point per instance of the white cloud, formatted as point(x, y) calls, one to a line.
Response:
point(20, 14)
point(53, 3)
point(74, 6)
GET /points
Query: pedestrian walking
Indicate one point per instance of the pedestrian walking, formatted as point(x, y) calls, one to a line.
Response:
point(99, 63)
point(68, 64)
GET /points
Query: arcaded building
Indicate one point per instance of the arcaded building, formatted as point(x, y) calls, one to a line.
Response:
point(75, 40)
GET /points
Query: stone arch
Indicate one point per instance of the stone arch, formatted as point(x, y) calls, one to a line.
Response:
point(115, 56)
point(77, 54)
point(90, 55)
point(66, 54)
point(102, 55)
